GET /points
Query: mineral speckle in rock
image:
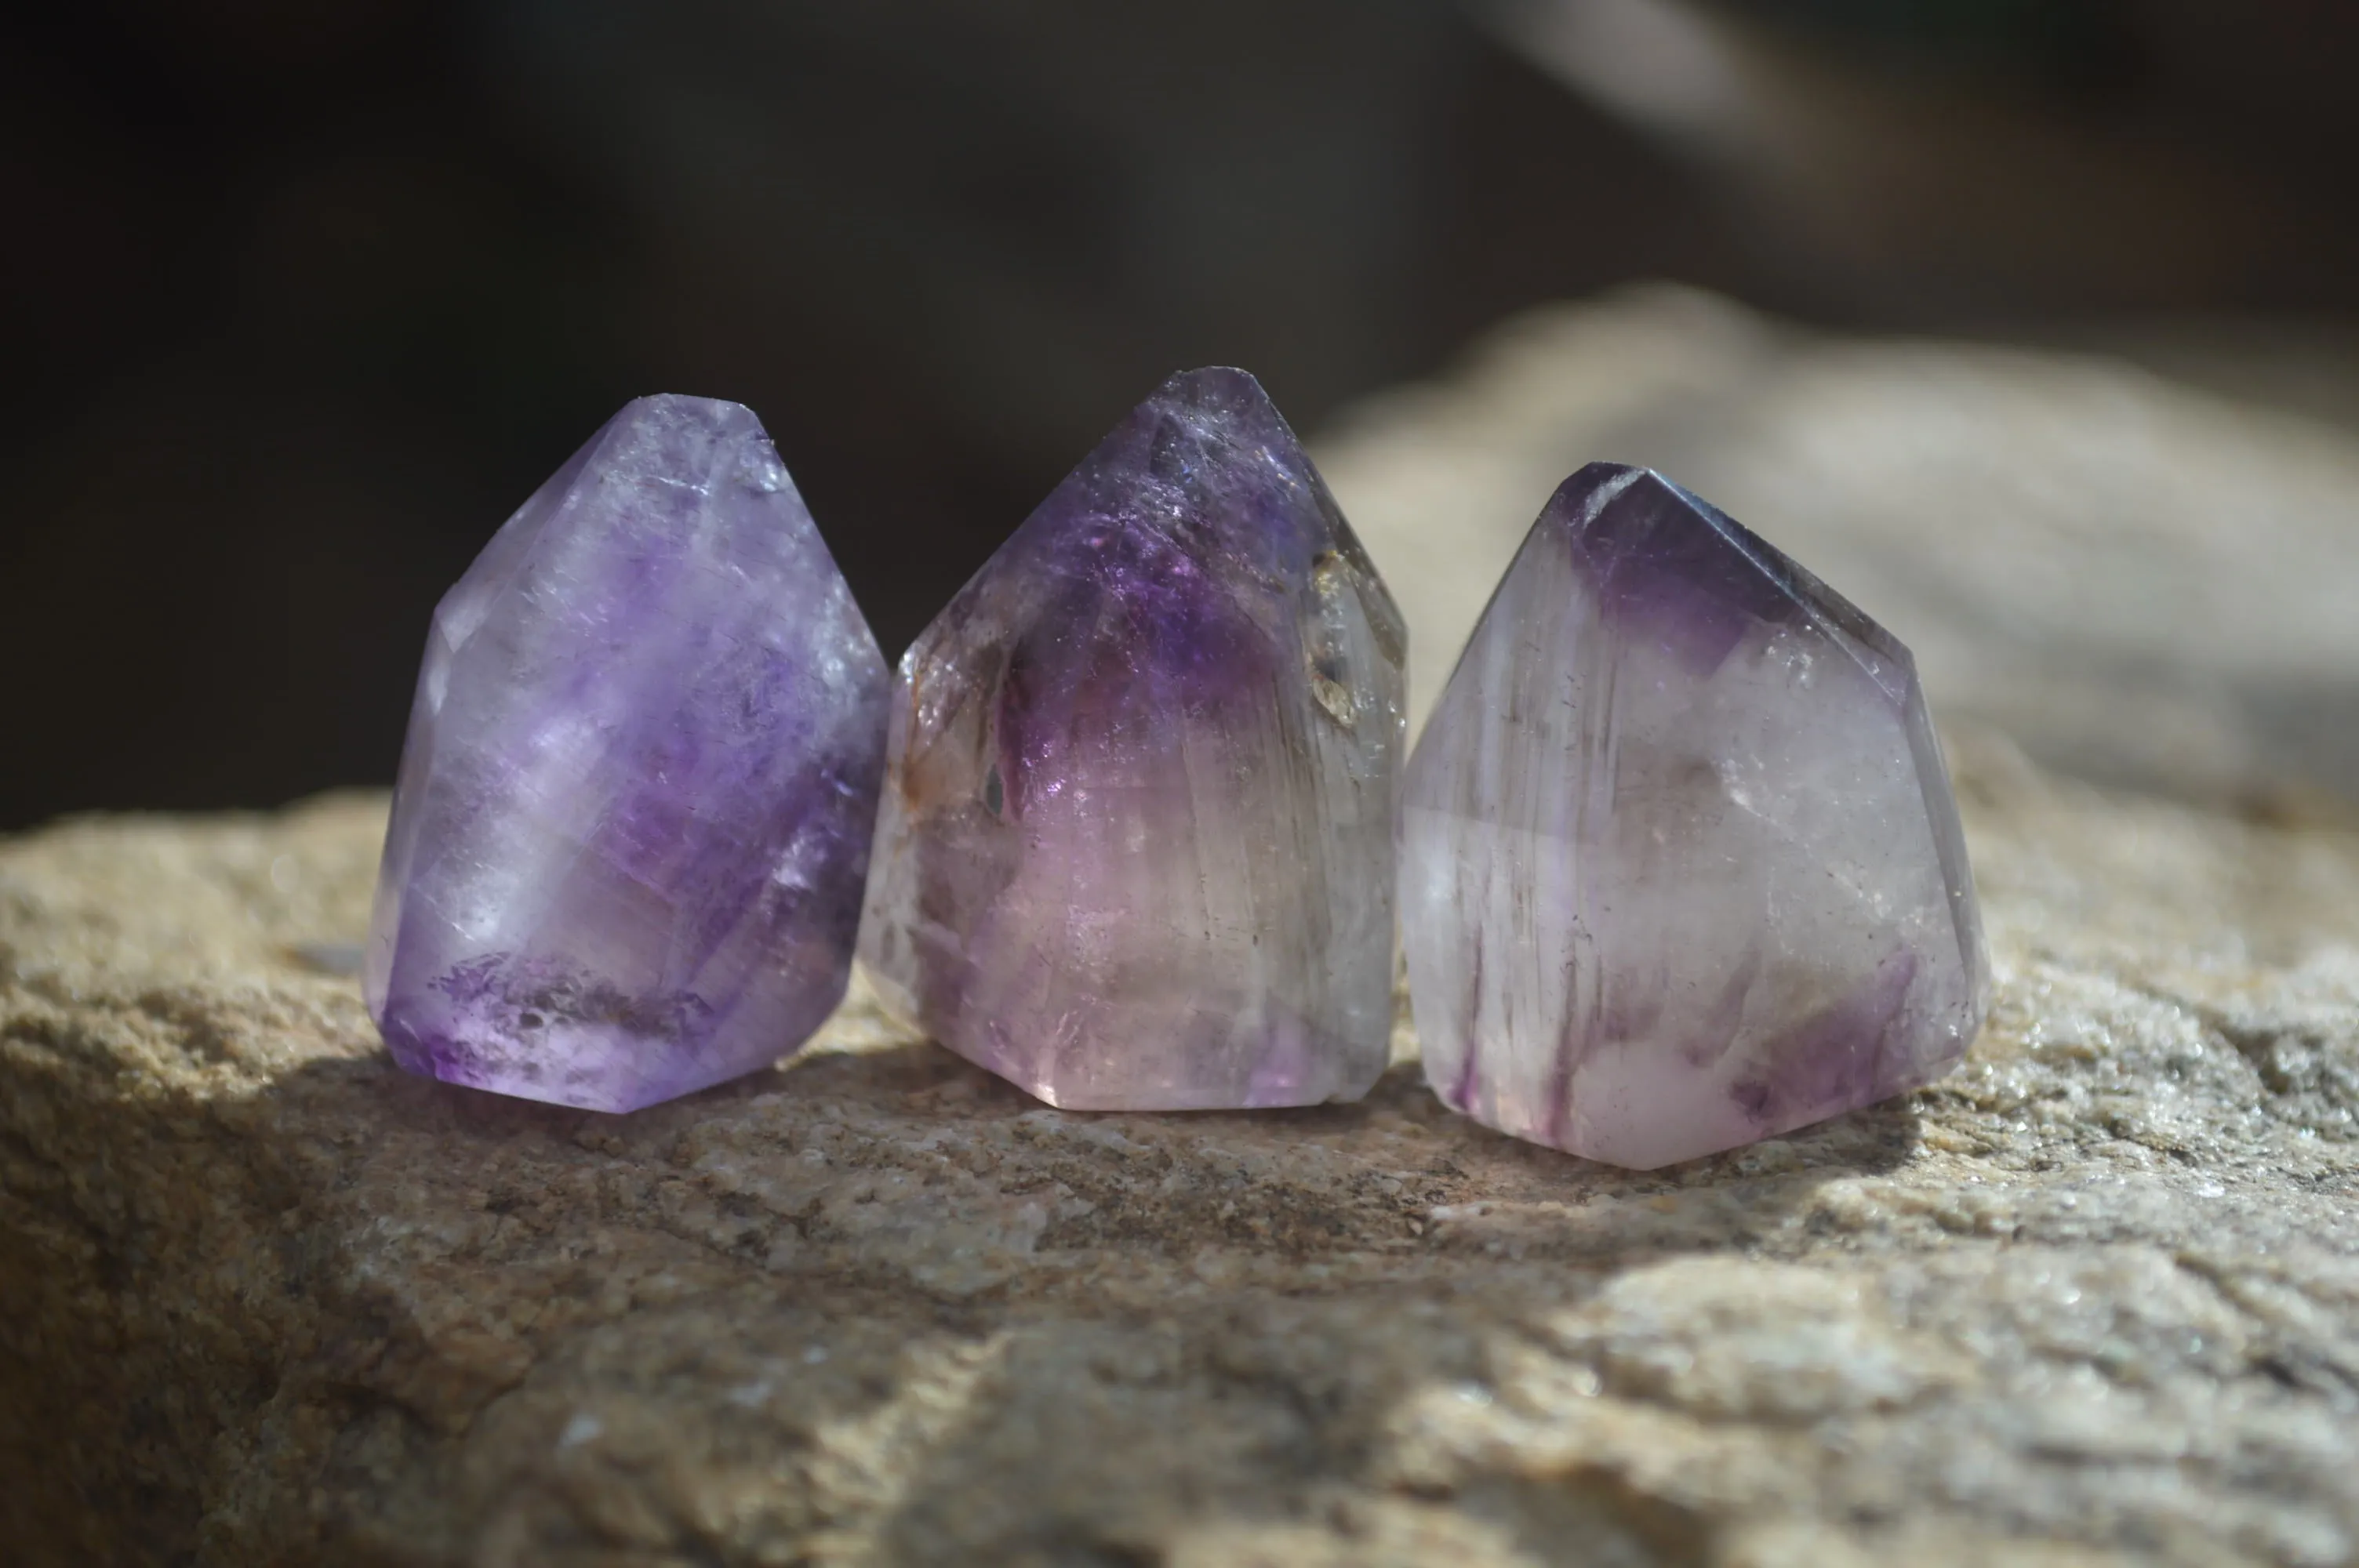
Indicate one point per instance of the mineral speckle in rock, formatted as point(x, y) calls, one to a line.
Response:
point(1680, 865)
point(634, 813)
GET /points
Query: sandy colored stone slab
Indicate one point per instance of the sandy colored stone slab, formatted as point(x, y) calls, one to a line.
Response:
point(2095, 1299)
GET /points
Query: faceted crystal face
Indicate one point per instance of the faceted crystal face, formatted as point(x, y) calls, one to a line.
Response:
point(633, 817)
point(1680, 867)
point(1135, 848)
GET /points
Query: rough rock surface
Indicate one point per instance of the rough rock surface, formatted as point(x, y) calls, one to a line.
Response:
point(265, 1300)
point(268, 1297)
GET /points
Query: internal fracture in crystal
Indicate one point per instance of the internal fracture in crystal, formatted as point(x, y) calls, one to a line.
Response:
point(631, 823)
point(1136, 851)
point(1680, 865)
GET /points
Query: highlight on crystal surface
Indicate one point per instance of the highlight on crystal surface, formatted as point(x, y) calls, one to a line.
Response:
point(1136, 850)
point(1680, 865)
point(633, 812)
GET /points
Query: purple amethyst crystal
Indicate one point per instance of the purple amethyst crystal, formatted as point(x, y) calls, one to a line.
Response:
point(1136, 848)
point(1680, 867)
point(631, 823)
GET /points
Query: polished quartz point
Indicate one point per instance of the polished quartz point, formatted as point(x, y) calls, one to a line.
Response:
point(1136, 850)
point(1680, 866)
point(633, 817)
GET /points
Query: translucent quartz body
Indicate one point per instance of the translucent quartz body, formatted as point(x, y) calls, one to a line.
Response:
point(1680, 866)
point(1136, 851)
point(633, 817)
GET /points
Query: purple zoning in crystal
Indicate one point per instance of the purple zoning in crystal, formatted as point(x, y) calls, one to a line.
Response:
point(633, 817)
point(1679, 866)
point(1136, 848)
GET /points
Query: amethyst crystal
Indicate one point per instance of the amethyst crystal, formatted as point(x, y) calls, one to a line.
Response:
point(1136, 848)
point(633, 817)
point(1680, 867)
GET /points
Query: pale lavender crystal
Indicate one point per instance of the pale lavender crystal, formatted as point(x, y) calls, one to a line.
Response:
point(1135, 848)
point(1680, 866)
point(631, 823)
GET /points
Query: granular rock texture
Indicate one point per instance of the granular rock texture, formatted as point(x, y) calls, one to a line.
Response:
point(270, 1301)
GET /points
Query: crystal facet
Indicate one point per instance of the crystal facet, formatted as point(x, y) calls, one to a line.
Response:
point(633, 819)
point(1680, 866)
point(1136, 848)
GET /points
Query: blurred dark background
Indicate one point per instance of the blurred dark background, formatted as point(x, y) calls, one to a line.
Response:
point(302, 299)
